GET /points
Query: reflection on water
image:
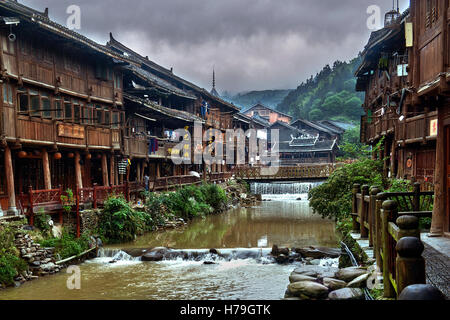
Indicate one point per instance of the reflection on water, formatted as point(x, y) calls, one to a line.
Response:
point(285, 223)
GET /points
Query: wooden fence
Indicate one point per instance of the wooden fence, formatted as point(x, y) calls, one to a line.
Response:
point(391, 223)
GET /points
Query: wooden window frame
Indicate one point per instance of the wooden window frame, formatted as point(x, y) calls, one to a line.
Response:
point(59, 112)
point(43, 97)
point(67, 101)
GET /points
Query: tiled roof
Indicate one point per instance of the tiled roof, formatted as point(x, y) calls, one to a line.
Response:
point(158, 82)
point(177, 114)
point(314, 125)
point(266, 107)
point(42, 20)
point(320, 146)
point(116, 45)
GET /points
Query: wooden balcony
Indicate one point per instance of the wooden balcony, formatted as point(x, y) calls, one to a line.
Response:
point(46, 132)
point(380, 126)
point(138, 147)
point(417, 129)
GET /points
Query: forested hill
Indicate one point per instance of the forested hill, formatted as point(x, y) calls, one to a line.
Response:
point(330, 95)
point(270, 98)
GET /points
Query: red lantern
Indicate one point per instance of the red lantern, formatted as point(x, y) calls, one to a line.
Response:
point(88, 156)
point(70, 155)
point(22, 154)
point(57, 156)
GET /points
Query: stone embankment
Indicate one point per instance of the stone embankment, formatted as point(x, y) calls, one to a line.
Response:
point(318, 279)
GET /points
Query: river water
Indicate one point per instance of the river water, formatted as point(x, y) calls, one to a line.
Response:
point(285, 221)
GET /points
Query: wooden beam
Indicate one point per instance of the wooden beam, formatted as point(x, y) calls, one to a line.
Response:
point(112, 170)
point(105, 170)
point(79, 180)
point(46, 169)
point(9, 172)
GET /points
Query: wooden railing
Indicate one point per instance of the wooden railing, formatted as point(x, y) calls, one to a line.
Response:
point(51, 201)
point(317, 171)
point(376, 216)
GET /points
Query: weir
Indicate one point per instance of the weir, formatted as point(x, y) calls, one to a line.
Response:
point(282, 188)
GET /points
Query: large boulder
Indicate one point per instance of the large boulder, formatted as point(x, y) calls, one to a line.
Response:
point(316, 271)
point(359, 282)
point(350, 273)
point(347, 294)
point(318, 252)
point(294, 277)
point(334, 284)
point(309, 289)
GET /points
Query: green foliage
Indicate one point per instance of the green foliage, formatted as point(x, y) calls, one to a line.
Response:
point(10, 263)
point(68, 245)
point(119, 222)
point(41, 220)
point(68, 200)
point(10, 266)
point(351, 146)
point(333, 199)
point(329, 95)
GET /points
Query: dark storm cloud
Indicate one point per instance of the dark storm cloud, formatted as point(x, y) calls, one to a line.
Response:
point(254, 44)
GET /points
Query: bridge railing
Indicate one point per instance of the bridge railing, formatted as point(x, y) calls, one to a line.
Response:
point(311, 171)
point(376, 216)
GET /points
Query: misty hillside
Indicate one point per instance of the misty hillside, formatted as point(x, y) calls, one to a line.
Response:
point(330, 95)
point(270, 98)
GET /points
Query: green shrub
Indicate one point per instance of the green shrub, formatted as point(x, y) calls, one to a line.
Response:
point(215, 196)
point(333, 199)
point(68, 245)
point(41, 220)
point(119, 222)
point(10, 266)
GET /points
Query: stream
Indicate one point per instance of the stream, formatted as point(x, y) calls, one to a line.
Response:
point(245, 235)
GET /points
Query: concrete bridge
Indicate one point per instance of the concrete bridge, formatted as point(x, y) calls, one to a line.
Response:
point(299, 172)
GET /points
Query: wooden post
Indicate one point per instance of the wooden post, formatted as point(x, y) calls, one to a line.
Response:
point(127, 191)
point(105, 170)
point(437, 222)
point(30, 199)
point(389, 209)
point(393, 162)
point(78, 177)
point(112, 170)
point(77, 199)
point(378, 236)
point(46, 169)
point(94, 197)
point(416, 197)
point(372, 215)
point(356, 190)
point(138, 171)
point(9, 171)
point(158, 169)
point(409, 263)
point(363, 213)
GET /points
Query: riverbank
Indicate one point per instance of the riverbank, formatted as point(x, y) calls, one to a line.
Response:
point(29, 253)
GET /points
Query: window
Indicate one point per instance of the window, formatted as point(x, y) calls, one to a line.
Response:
point(76, 111)
point(67, 109)
point(117, 81)
point(98, 115)
point(432, 14)
point(23, 100)
point(7, 93)
point(85, 118)
point(35, 104)
point(46, 106)
point(107, 118)
point(58, 109)
point(115, 120)
point(103, 72)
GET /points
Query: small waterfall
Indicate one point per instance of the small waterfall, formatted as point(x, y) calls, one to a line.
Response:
point(281, 188)
point(116, 255)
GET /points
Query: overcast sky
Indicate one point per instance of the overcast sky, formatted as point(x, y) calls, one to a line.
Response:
point(253, 44)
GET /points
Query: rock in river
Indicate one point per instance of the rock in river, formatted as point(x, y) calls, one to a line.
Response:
point(347, 294)
point(334, 284)
point(294, 277)
point(359, 282)
point(316, 271)
point(350, 273)
point(156, 254)
point(319, 252)
point(308, 288)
